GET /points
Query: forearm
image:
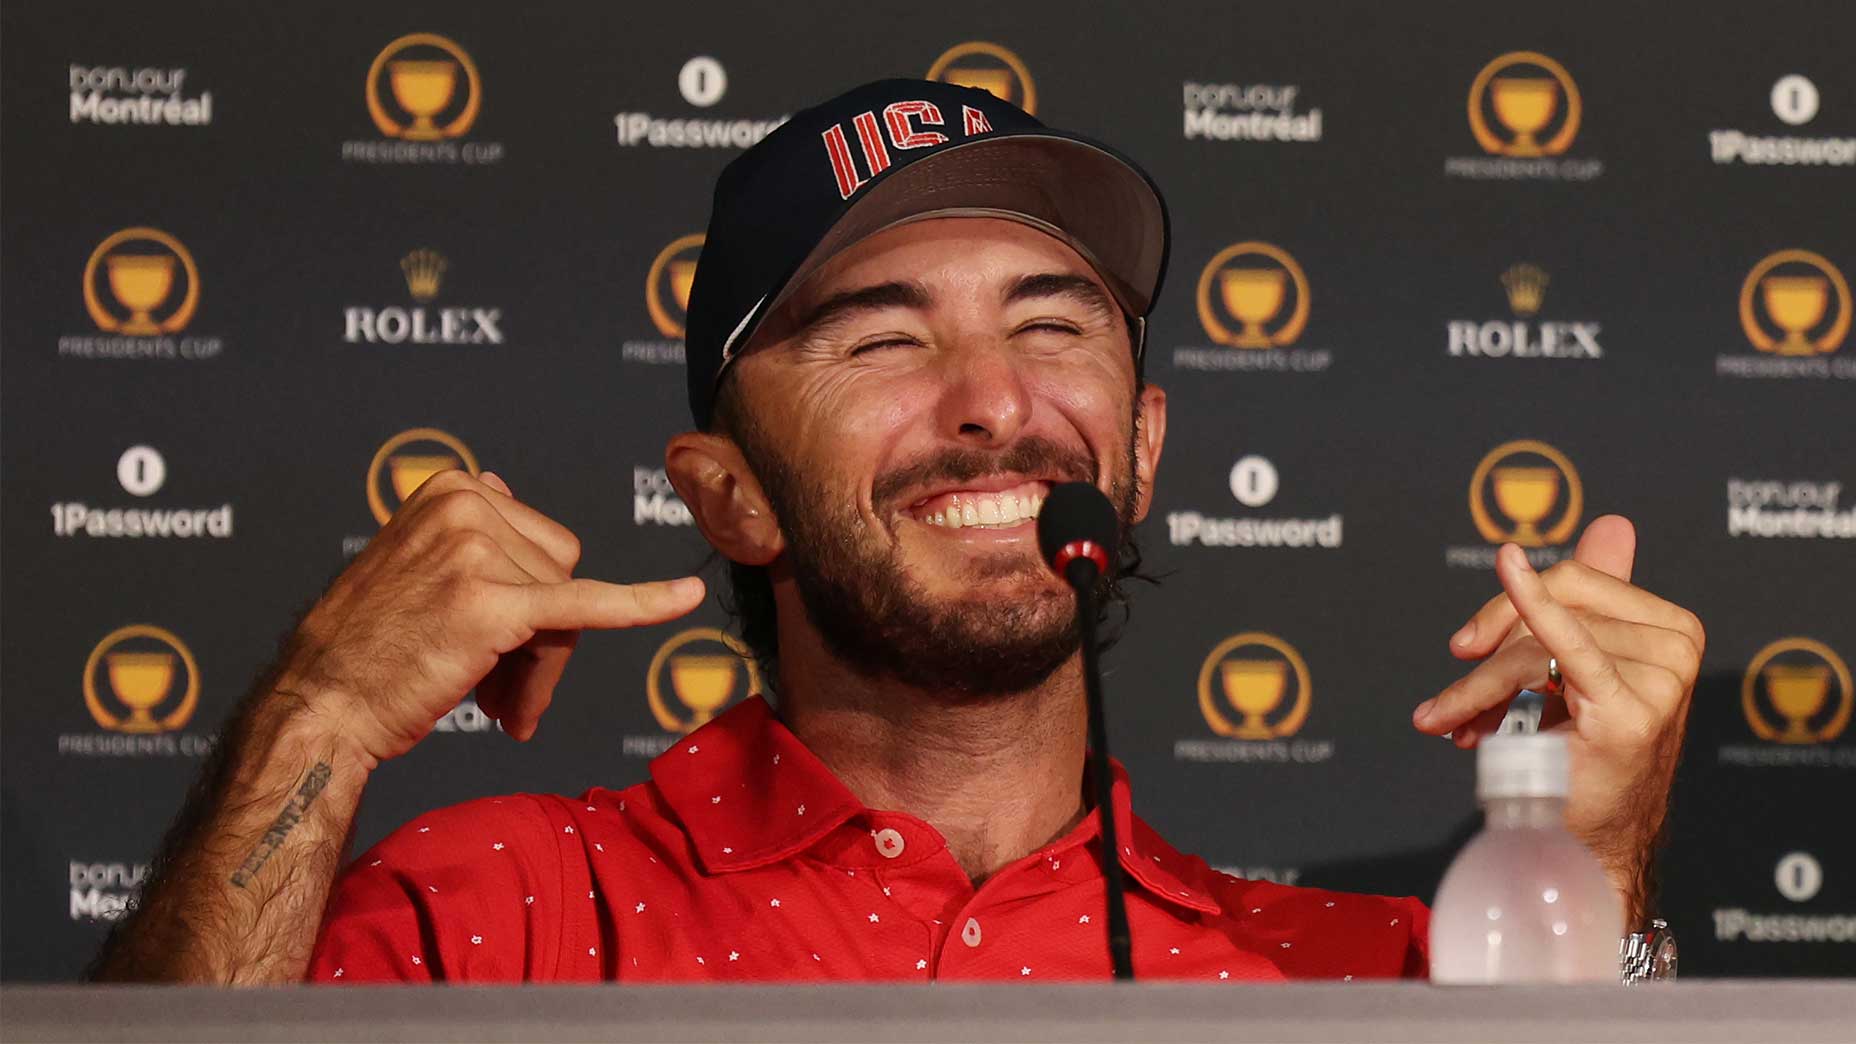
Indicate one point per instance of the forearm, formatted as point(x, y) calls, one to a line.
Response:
point(240, 886)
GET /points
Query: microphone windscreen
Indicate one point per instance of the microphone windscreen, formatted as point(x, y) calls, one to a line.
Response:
point(1076, 511)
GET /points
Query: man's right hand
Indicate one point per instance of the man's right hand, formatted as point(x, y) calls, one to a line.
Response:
point(465, 586)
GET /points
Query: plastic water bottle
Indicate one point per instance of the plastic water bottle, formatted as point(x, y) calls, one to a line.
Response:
point(1525, 901)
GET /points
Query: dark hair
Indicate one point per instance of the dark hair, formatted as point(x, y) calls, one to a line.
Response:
point(748, 597)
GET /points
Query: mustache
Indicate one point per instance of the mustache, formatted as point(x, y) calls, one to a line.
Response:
point(1032, 455)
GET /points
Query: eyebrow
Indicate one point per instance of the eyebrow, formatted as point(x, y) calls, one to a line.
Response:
point(1060, 284)
point(839, 306)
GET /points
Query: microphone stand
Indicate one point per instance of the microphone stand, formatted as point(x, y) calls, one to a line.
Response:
point(1081, 573)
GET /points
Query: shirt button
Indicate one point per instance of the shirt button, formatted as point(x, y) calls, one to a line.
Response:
point(889, 842)
point(971, 933)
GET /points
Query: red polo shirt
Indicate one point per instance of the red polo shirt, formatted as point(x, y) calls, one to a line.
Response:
point(744, 859)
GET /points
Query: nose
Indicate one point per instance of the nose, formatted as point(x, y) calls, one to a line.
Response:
point(984, 398)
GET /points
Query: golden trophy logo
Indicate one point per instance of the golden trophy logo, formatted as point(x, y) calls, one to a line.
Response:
point(1528, 94)
point(1526, 286)
point(667, 285)
point(428, 78)
point(1249, 286)
point(141, 268)
point(424, 270)
point(1787, 692)
point(989, 67)
point(1526, 482)
point(1252, 673)
point(404, 463)
point(703, 670)
point(141, 669)
point(1793, 289)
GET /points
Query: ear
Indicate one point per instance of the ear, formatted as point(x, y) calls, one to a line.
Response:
point(724, 497)
point(1149, 439)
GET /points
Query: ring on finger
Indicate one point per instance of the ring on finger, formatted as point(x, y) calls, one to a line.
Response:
point(1555, 684)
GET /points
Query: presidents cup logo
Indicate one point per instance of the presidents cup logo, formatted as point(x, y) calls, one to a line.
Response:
point(992, 69)
point(1525, 285)
point(1797, 691)
point(423, 94)
point(1254, 482)
point(667, 300)
point(702, 83)
point(1255, 692)
point(693, 677)
point(1795, 310)
point(141, 471)
point(1253, 296)
point(136, 671)
point(1792, 293)
point(404, 463)
point(130, 284)
point(424, 272)
point(1524, 109)
point(141, 287)
point(1526, 492)
point(1794, 99)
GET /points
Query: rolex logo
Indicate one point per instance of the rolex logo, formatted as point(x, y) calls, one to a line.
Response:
point(424, 269)
point(1526, 286)
point(424, 272)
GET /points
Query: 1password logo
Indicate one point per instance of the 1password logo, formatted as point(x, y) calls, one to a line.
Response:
point(141, 472)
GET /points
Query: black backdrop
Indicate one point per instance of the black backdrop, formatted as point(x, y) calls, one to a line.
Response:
point(1596, 294)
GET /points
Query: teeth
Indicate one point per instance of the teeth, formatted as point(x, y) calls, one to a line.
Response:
point(993, 510)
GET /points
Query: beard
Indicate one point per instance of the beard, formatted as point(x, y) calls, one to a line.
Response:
point(878, 621)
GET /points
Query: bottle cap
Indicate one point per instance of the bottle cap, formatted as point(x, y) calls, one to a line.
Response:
point(1522, 765)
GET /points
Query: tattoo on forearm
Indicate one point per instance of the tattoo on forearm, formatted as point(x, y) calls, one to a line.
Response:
point(286, 821)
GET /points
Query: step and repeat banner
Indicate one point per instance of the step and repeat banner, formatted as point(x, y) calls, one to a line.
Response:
point(1440, 280)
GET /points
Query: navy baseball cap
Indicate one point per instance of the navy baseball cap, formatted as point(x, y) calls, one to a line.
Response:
point(895, 151)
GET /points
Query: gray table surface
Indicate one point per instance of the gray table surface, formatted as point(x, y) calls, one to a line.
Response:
point(1739, 1011)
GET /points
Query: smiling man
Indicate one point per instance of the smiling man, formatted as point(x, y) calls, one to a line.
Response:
point(917, 310)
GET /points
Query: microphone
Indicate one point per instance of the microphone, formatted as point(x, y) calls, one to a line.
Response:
point(1078, 531)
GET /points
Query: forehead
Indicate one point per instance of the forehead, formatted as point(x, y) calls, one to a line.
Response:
point(946, 255)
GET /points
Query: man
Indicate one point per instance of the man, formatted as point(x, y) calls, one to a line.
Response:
point(917, 310)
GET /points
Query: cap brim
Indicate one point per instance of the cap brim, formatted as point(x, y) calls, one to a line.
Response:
point(1079, 191)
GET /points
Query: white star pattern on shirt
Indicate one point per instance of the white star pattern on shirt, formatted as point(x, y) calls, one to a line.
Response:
point(885, 889)
point(597, 847)
point(416, 960)
point(774, 903)
point(802, 810)
point(716, 800)
point(498, 846)
point(1174, 951)
point(1026, 970)
point(432, 888)
point(1056, 864)
point(1347, 978)
point(528, 900)
point(621, 806)
point(1330, 904)
point(733, 955)
point(1287, 945)
point(1256, 909)
point(476, 940)
point(699, 960)
point(374, 863)
point(1084, 919)
point(338, 973)
point(590, 808)
point(874, 918)
point(592, 951)
point(727, 850)
point(921, 964)
point(638, 909)
point(694, 748)
point(815, 956)
point(776, 759)
point(567, 830)
point(1394, 922)
point(425, 830)
point(1224, 974)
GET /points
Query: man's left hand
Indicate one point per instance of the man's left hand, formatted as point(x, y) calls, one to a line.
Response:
point(1628, 660)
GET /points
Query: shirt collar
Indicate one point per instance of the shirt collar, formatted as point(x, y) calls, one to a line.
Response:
point(750, 794)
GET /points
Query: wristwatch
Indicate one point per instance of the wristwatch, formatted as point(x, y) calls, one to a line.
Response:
point(1648, 956)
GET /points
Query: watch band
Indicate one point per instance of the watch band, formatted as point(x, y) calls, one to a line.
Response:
point(1648, 956)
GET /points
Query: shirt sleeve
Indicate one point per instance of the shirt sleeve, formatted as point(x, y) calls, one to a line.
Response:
point(468, 893)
